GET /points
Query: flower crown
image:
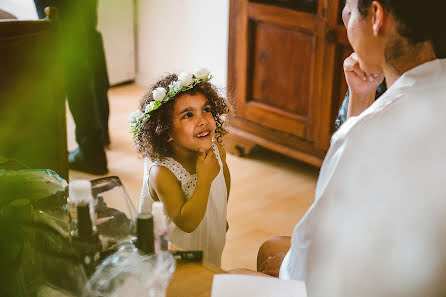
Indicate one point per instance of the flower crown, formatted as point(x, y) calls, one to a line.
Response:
point(186, 81)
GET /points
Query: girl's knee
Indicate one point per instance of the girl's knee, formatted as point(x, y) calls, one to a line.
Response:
point(273, 246)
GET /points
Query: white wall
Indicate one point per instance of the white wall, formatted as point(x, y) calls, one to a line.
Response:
point(181, 35)
point(22, 9)
point(116, 23)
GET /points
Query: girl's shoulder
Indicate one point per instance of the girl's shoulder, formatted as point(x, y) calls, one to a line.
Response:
point(164, 184)
point(161, 176)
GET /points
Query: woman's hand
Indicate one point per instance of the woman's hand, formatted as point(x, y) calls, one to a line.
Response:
point(362, 86)
point(207, 166)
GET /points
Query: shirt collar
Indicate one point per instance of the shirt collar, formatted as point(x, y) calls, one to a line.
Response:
point(425, 72)
point(417, 76)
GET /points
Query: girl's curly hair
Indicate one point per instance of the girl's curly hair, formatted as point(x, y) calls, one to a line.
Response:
point(152, 139)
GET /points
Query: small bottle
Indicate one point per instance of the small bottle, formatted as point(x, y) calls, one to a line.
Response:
point(86, 242)
point(78, 191)
point(161, 228)
point(144, 232)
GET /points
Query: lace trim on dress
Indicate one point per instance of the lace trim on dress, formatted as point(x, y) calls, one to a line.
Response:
point(177, 169)
point(188, 181)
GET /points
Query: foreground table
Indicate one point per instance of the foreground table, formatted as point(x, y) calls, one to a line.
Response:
point(192, 279)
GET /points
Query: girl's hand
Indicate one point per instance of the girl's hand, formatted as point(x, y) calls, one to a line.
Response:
point(207, 165)
point(362, 86)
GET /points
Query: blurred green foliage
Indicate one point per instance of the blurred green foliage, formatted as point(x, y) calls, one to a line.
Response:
point(35, 250)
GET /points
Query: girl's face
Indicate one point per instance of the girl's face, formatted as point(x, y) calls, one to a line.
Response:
point(362, 32)
point(193, 123)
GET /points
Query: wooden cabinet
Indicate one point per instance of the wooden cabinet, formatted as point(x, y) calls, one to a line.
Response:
point(285, 73)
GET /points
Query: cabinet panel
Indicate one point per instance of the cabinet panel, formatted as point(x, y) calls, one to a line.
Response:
point(281, 63)
point(309, 6)
point(281, 67)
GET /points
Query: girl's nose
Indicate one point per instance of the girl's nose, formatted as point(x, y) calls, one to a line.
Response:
point(201, 121)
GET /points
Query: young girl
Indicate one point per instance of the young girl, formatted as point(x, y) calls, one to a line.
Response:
point(178, 129)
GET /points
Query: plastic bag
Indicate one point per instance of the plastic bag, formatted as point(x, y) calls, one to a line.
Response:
point(129, 273)
point(115, 212)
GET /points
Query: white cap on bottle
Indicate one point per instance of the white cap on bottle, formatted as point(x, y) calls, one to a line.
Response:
point(80, 190)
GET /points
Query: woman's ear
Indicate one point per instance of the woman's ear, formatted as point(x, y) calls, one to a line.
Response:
point(377, 11)
point(170, 139)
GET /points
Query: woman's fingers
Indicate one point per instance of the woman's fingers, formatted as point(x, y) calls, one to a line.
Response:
point(352, 65)
point(352, 68)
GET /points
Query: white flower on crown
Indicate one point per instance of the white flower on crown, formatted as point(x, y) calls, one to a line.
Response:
point(185, 78)
point(159, 94)
point(176, 86)
point(149, 107)
point(135, 116)
point(202, 73)
point(186, 81)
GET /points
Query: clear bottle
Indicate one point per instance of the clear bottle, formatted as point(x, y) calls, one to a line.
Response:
point(161, 228)
point(86, 242)
point(79, 191)
point(84, 237)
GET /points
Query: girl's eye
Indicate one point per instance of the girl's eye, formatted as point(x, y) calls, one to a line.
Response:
point(207, 109)
point(187, 115)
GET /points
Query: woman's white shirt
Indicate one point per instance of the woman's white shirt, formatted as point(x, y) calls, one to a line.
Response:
point(394, 152)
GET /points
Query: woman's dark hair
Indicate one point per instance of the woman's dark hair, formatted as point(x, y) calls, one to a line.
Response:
point(152, 139)
point(418, 20)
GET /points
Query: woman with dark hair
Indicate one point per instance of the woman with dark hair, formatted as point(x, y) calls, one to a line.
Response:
point(389, 154)
point(360, 96)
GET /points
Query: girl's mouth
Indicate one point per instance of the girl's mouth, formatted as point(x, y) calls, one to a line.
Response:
point(202, 134)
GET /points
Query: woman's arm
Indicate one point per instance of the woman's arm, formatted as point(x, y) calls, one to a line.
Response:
point(363, 90)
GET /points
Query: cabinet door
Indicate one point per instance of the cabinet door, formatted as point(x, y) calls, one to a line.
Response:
point(276, 64)
point(338, 47)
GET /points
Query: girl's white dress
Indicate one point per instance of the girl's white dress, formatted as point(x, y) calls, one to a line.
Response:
point(210, 235)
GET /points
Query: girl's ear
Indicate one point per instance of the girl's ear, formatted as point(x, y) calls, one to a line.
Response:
point(170, 139)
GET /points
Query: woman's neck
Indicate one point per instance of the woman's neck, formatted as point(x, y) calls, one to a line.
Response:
point(412, 57)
